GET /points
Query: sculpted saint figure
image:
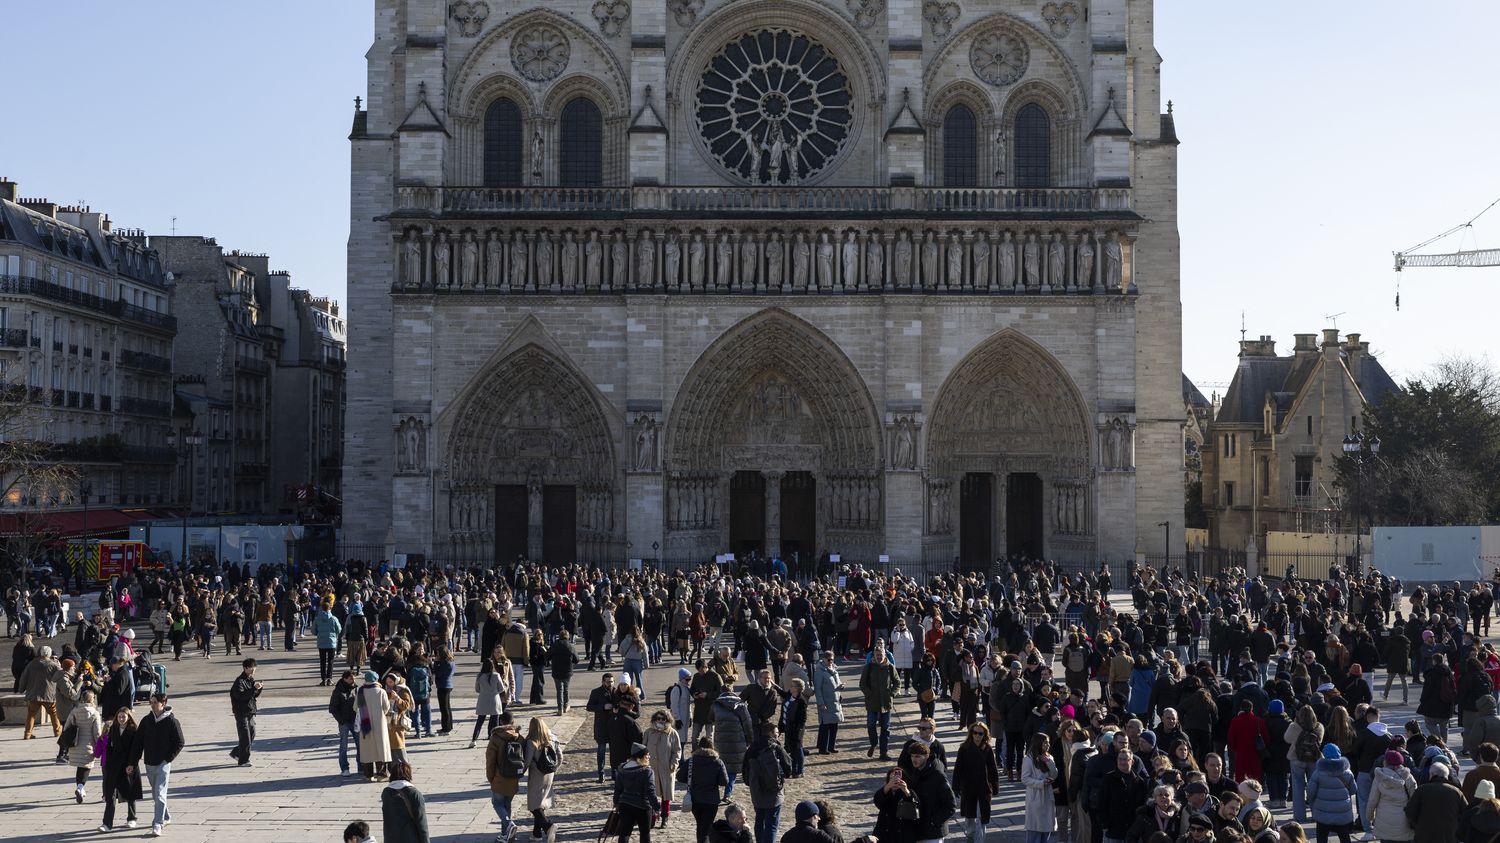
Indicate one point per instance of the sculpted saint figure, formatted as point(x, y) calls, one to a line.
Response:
point(1057, 260)
point(875, 264)
point(955, 277)
point(468, 262)
point(930, 278)
point(748, 261)
point(801, 261)
point(1112, 261)
point(1085, 261)
point(723, 254)
point(775, 250)
point(518, 262)
point(981, 262)
point(413, 262)
point(492, 258)
point(592, 258)
point(544, 276)
point(903, 451)
point(902, 267)
point(569, 262)
point(1007, 263)
point(1031, 259)
point(444, 277)
point(672, 258)
point(851, 261)
point(619, 261)
point(825, 263)
point(645, 261)
point(695, 262)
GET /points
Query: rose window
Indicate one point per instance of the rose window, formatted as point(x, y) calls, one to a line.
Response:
point(774, 107)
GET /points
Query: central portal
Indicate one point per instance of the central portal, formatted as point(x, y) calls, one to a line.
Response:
point(799, 515)
point(976, 502)
point(747, 513)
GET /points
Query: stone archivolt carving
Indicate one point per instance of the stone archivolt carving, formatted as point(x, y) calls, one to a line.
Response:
point(1060, 17)
point(940, 16)
point(750, 258)
point(611, 15)
point(686, 11)
point(539, 52)
point(865, 12)
point(999, 56)
point(470, 16)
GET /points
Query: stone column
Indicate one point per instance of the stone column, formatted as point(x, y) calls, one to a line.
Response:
point(1098, 273)
point(773, 512)
point(1129, 268)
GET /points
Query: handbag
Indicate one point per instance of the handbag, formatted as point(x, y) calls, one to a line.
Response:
point(927, 696)
point(906, 809)
point(687, 779)
point(611, 828)
point(69, 737)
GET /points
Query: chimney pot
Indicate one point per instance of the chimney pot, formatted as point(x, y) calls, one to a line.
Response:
point(8, 189)
point(1330, 336)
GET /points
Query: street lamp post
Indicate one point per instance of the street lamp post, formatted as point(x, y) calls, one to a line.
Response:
point(189, 440)
point(84, 490)
point(1356, 447)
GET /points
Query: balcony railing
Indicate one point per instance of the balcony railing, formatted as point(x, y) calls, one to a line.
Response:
point(148, 454)
point(144, 361)
point(252, 469)
point(27, 286)
point(145, 407)
point(731, 200)
point(251, 364)
point(148, 317)
point(15, 338)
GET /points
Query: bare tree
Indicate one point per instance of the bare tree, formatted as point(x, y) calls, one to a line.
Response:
point(31, 473)
point(1469, 373)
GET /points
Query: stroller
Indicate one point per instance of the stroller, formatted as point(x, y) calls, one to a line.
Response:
point(149, 678)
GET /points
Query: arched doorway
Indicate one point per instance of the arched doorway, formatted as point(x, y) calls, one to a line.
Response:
point(1008, 457)
point(773, 445)
point(531, 466)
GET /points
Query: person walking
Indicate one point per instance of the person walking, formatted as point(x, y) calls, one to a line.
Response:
point(38, 682)
point(157, 743)
point(403, 809)
point(342, 704)
point(976, 780)
point(1436, 806)
point(489, 702)
point(85, 726)
point(121, 779)
point(419, 681)
point(1394, 785)
point(504, 764)
point(356, 636)
point(794, 724)
point(879, 683)
point(327, 629)
point(665, 745)
point(1331, 795)
point(704, 778)
point(732, 733)
point(705, 686)
point(601, 704)
point(826, 687)
point(243, 695)
point(442, 676)
point(543, 760)
point(764, 770)
point(635, 794)
point(372, 707)
point(517, 645)
point(1438, 695)
point(1304, 739)
point(561, 659)
point(1038, 772)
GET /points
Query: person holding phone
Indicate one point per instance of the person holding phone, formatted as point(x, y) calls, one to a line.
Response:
point(898, 808)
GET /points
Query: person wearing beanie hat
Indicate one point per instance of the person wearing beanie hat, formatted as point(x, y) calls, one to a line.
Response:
point(1276, 707)
point(1488, 756)
point(1331, 794)
point(372, 706)
point(806, 829)
point(680, 701)
point(1486, 790)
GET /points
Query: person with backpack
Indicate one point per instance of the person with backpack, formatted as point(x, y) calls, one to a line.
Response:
point(1076, 664)
point(327, 629)
point(680, 700)
point(704, 777)
point(635, 794)
point(543, 760)
point(419, 681)
point(1439, 693)
point(665, 745)
point(764, 769)
point(879, 683)
point(1304, 737)
point(504, 764)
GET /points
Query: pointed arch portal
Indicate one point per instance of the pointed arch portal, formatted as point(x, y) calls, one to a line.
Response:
point(773, 446)
point(531, 464)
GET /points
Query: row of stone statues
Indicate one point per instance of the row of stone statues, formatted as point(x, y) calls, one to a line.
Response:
point(1070, 506)
point(813, 260)
point(694, 502)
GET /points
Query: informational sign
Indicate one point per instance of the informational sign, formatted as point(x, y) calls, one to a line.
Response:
point(635, 564)
point(835, 558)
point(250, 552)
point(398, 560)
point(885, 559)
point(842, 580)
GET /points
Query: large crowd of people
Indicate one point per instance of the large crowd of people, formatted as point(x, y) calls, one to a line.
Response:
point(1197, 713)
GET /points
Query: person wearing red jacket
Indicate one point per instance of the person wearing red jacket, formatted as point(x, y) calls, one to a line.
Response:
point(1248, 738)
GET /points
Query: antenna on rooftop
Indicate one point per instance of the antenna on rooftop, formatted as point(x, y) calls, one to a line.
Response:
point(174, 226)
point(1242, 326)
point(1334, 318)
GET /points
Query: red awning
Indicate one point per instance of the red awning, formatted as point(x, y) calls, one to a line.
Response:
point(71, 523)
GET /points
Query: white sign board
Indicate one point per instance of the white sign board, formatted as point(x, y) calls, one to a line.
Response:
point(842, 580)
point(835, 558)
point(885, 559)
point(635, 564)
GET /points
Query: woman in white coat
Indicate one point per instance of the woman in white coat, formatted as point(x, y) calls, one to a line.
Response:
point(665, 746)
point(903, 652)
point(88, 725)
point(490, 693)
point(826, 686)
point(372, 709)
point(543, 760)
point(1038, 772)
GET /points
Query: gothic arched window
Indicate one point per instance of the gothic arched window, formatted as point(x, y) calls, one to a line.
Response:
point(1033, 147)
point(960, 148)
point(502, 144)
point(582, 142)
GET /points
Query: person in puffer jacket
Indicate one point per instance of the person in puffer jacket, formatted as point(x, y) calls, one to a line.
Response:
point(732, 733)
point(1394, 785)
point(1484, 726)
point(1330, 793)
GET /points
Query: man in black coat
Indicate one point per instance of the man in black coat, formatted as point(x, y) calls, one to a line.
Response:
point(242, 696)
point(934, 795)
point(341, 704)
point(1123, 790)
point(806, 830)
point(602, 704)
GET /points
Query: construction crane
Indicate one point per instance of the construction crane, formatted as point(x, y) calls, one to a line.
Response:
point(1472, 257)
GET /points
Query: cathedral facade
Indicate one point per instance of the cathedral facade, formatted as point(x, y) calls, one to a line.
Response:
point(671, 278)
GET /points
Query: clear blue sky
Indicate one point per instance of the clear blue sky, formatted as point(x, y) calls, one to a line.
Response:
point(1317, 139)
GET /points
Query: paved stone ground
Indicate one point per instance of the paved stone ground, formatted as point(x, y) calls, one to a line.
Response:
point(294, 792)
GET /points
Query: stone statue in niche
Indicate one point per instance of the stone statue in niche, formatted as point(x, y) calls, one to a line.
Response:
point(1117, 456)
point(1031, 260)
point(619, 263)
point(645, 444)
point(723, 258)
point(444, 276)
point(518, 263)
point(775, 253)
point(492, 257)
point(955, 277)
point(695, 261)
point(904, 448)
point(468, 262)
point(671, 253)
point(901, 267)
point(412, 436)
point(999, 157)
point(981, 262)
point(645, 261)
point(544, 276)
point(748, 261)
point(801, 261)
point(536, 158)
point(592, 258)
point(825, 263)
point(875, 264)
point(1057, 260)
point(1085, 261)
point(1007, 263)
point(851, 261)
point(413, 251)
point(1112, 261)
point(930, 262)
point(569, 261)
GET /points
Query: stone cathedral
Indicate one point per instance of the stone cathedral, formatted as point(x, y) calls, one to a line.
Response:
point(663, 279)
